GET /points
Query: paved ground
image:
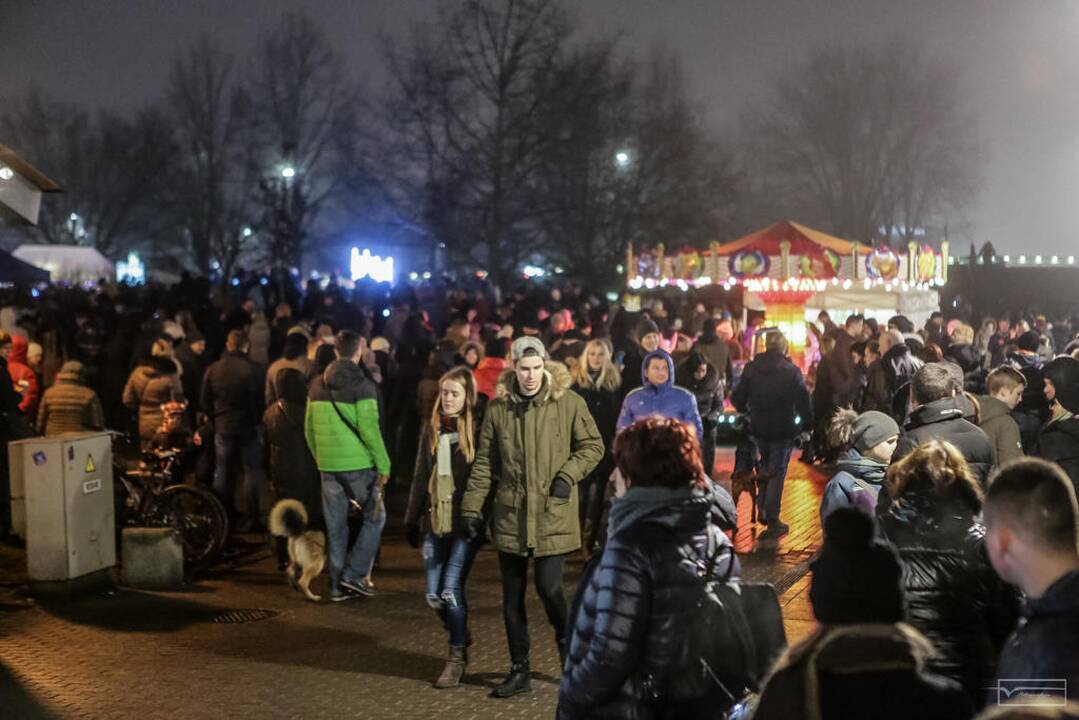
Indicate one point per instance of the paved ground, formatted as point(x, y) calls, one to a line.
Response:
point(128, 654)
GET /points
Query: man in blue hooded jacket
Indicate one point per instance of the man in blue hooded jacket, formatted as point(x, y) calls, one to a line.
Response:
point(660, 396)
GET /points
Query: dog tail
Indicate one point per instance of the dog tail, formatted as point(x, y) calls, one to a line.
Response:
point(288, 518)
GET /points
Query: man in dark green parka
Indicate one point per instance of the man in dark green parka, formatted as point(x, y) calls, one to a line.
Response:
point(537, 442)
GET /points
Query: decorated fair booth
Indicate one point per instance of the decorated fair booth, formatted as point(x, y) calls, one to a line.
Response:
point(792, 272)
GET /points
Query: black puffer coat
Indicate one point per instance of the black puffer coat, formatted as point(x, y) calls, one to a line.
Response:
point(886, 376)
point(953, 596)
point(1059, 443)
point(627, 606)
point(1045, 644)
point(943, 420)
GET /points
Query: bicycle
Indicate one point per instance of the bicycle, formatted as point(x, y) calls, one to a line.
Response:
point(152, 494)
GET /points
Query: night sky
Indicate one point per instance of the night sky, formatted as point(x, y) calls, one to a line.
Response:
point(1019, 59)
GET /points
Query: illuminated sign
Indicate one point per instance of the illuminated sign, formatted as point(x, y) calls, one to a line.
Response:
point(365, 265)
point(131, 271)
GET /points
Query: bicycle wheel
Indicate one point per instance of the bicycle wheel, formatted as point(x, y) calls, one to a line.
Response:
point(200, 519)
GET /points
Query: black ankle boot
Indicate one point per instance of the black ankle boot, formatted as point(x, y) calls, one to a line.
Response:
point(516, 682)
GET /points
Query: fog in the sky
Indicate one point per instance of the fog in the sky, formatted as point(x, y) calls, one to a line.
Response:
point(1019, 60)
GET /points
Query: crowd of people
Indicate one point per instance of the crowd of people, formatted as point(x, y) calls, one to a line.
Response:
point(548, 422)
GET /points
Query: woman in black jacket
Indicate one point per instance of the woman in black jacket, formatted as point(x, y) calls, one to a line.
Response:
point(952, 593)
point(597, 380)
point(698, 376)
point(292, 469)
point(443, 463)
point(634, 595)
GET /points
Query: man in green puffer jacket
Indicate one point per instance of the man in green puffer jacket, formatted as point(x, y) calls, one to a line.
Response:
point(342, 429)
point(537, 442)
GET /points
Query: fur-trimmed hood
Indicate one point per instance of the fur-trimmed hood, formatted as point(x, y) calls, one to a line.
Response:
point(556, 382)
point(851, 649)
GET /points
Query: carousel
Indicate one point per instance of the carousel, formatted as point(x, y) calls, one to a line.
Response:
point(792, 272)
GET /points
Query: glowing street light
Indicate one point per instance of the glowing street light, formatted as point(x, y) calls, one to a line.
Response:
point(6, 173)
point(622, 159)
point(288, 172)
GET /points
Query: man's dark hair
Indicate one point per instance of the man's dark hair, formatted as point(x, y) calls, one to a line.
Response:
point(348, 344)
point(858, 348)
point(659, 451)
point(901, 323)
point(1036, 499)
point(295, 346)
point(853, 320)
point(932, 382)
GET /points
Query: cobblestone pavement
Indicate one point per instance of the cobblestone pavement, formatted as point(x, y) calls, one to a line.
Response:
point(129, 654)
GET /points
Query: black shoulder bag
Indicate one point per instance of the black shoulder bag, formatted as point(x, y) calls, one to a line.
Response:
point(355, 508)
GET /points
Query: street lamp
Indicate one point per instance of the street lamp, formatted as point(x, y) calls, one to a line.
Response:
point(6, 173)
point(622, 159)
point(288, 172)
point(246, 232)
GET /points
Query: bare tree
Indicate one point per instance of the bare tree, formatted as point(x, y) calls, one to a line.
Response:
point(630, 163)
point(109, 168)
point(464, 143)
point(303, 109)
point(211, 192)
point(870, 138)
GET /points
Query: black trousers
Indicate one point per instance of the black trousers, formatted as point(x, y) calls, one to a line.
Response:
point(547, 572)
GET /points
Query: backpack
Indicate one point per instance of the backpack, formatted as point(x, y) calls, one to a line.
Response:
point(716, 662)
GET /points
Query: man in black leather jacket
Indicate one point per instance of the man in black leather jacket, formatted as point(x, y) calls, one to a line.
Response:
point(1031, 518)
point(938, 416)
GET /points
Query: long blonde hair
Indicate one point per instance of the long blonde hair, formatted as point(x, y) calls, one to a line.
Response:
point(609, 378)
point(465, 433)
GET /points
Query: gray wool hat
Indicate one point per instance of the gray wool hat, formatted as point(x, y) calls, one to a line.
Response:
point(871, 429)
point(527, 345)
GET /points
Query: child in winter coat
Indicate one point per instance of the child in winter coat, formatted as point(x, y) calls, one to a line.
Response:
point(867, 442)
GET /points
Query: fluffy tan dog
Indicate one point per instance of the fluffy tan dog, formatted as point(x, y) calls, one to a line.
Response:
point(306, 548)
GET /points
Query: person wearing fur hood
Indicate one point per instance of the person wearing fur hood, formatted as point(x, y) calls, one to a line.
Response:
point(864, 661)
point(154, 382)
point(538, 441)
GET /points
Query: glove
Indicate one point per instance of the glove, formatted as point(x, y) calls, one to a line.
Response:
point(471, 527)
point(412, 534)
point(560, 488)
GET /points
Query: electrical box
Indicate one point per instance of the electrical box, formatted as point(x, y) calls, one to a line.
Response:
point(62, 486)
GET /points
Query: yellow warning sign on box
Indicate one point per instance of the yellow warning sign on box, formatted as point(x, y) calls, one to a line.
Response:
point(89, 463)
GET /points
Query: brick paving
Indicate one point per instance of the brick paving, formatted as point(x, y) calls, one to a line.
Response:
point(129, 654)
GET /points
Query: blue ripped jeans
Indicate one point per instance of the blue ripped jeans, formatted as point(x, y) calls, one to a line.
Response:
point(448, 560)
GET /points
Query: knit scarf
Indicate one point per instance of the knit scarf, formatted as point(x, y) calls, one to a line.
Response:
point(862, 467)
point(641, 501)
point(441, 485)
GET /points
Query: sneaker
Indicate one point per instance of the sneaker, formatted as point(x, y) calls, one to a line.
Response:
point(776, 528)
point(360, 587)
point(344, 594)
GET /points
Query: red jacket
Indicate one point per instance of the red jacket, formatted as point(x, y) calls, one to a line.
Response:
point(486, 375)
point(21, 373)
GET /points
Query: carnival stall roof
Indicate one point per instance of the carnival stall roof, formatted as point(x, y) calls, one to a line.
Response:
point(21, 186)
point(792, 272)
point(69, 263)
point(13, 270)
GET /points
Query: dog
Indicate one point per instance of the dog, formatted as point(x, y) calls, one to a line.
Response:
point(306, 548)
point(747, 482)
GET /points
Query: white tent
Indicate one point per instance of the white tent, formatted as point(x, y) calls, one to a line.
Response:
point(68, 263)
